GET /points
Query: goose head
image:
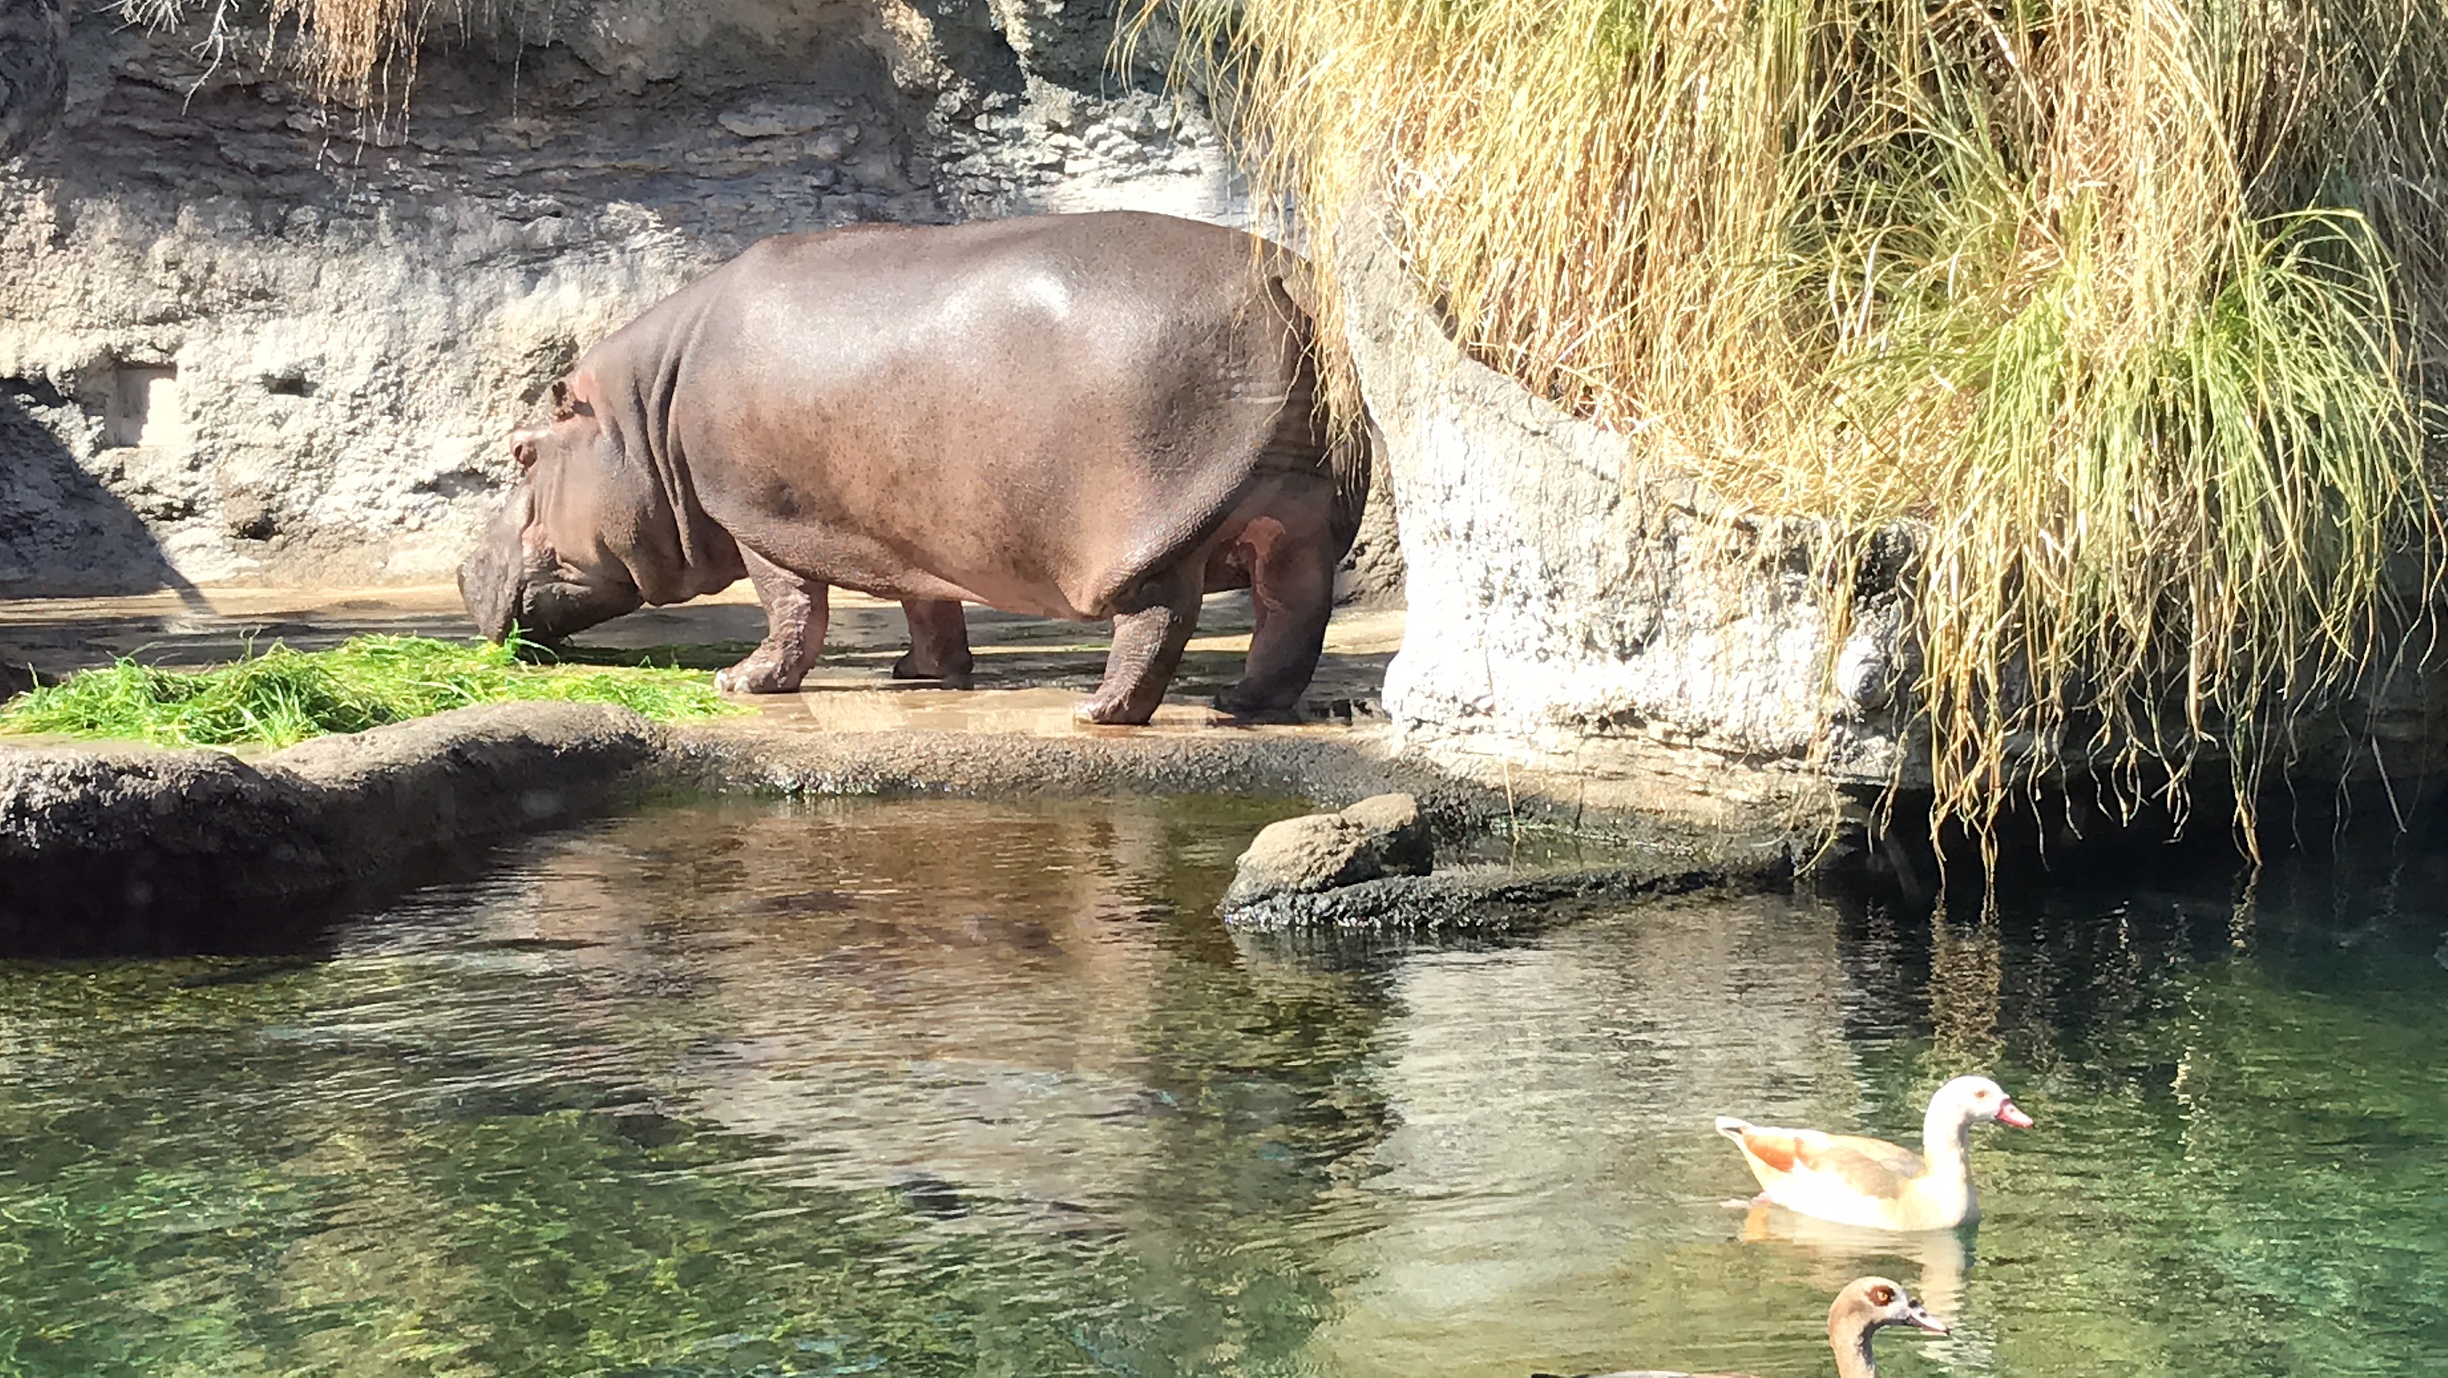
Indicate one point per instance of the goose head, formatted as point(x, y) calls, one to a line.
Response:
point(1976, 1100)
point(1865, 1307)
point(1868, 1304)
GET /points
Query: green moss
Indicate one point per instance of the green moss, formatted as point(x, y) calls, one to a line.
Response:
point(280, 696)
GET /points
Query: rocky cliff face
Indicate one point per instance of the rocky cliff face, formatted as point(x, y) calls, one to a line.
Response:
point(246, 335)
point(1594, 631)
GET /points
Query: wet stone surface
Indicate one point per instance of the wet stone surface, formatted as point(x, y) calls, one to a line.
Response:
point(1030, 670)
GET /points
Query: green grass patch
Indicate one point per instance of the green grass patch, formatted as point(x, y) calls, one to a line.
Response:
point(279, 696)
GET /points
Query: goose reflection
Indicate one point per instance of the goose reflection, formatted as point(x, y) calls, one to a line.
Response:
point(1943, 1257)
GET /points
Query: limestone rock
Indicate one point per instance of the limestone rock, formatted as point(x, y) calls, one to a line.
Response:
point(100, 842)
point(33, 78)
point(249, 336)
point(1379, 836)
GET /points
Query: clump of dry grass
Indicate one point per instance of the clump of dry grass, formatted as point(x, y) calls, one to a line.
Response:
point(2134, 306)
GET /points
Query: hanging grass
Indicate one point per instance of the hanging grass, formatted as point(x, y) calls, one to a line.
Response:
point(2135, 311)
point(283, 696)
point(360, 52)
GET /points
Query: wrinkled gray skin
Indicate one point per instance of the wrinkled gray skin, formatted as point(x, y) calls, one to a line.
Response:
point(1081, 417)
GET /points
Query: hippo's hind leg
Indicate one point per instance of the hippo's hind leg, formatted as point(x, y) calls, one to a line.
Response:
point(939, 642)
point(1148, 637)
point(1291, 594)
point(795, 619)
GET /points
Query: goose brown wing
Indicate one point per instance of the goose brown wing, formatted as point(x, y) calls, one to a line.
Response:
point(1873, 1167)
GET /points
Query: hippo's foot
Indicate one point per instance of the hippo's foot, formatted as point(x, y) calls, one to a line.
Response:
point(796, 615)
point(1243, 713)
point(1260, 701)
point(1147, 645)
point(760, 673)
point(939, 642)
point(1113, 710)
point(912, 666)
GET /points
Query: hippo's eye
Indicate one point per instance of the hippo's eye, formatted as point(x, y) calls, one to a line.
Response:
point(1880, 1296)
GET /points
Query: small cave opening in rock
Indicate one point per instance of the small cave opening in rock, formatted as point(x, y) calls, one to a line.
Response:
point(141, 406)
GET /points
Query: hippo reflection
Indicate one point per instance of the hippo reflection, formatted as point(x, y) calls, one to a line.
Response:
point(1081, 417)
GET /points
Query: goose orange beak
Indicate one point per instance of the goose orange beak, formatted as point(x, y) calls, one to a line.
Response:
point(2012, 1115)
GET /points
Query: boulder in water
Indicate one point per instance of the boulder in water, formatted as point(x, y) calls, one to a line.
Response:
point(1380, 836)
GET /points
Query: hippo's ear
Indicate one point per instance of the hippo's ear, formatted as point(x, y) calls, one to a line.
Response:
point(523, 447)
point(563, 408)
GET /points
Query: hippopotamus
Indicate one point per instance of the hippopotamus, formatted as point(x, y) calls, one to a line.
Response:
point(1073, 416)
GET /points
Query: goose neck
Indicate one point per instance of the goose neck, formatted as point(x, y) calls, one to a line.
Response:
point(1851, 1341)
point(1946, 1132)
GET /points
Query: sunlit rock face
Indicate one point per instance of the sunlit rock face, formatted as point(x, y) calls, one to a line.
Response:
point(1583, 611)
point(246, 335)
point(1594, 629)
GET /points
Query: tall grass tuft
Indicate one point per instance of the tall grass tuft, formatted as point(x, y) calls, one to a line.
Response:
point(2136, 309)
point(282, 696)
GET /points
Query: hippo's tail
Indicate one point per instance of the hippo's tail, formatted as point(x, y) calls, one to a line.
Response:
point(1333, 388)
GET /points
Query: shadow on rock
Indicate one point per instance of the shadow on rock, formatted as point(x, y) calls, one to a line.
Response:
point(33, 71)
point(61, 530)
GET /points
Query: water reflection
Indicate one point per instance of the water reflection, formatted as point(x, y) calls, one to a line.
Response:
point(954, 1088)
point(1943, 1259)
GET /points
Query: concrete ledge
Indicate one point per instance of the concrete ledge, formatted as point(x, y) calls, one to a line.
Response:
point(1327, 769)
point(100, 837)
point(997, 765)
point(100, 842)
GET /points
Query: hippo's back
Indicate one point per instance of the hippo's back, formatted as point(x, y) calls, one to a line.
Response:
point(1032, 411)
point(1121, 258)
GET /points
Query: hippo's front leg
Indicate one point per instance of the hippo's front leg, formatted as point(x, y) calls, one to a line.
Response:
point(939, 642)
point(1148, 638)
point(795, 621)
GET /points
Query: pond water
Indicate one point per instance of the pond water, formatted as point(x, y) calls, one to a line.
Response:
point(948, 1088)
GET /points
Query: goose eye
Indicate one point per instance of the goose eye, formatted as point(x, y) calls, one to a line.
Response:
point(1880, 1296)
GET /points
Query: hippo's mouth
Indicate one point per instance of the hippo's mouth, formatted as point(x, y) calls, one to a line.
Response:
point(559, 605)
point(509, 583)
point(493, 586)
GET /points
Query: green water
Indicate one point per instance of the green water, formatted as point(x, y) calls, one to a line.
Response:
point(939, 1088)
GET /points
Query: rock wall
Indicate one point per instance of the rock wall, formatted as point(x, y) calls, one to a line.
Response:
point(1589, 625)
point(1592, 627)
point(33, 78)
point(250, 336)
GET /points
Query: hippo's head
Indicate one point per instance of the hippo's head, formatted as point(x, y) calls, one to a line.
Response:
point(546, 564)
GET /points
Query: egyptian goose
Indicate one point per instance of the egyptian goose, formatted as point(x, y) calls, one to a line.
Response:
point(1871, 1182)
point(1864, 1307)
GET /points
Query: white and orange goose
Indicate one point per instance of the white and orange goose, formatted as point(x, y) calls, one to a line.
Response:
point(1871, 1182)
point(1865, 1307)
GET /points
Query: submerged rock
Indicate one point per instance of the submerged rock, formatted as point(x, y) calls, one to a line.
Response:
point(1481, 901)
point(1379, 836)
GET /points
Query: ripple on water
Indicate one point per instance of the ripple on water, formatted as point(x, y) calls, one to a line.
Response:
point(962, 1088)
